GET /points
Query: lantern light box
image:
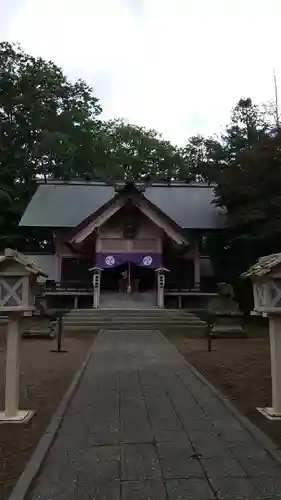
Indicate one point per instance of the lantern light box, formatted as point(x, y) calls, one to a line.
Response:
point(266, 279)
point(18, 282)
point(18, 287)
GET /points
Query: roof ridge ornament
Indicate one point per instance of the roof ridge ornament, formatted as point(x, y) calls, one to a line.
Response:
point(129, 185)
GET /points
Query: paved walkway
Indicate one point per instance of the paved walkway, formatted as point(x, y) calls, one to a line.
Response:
point(142, 426)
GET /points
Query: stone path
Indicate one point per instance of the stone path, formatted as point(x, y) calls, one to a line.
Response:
point(142, 426)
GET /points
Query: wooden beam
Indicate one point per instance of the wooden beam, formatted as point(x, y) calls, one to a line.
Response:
point(97, 222)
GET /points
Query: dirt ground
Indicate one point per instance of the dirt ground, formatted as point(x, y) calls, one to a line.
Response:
point(45, 377)
point(240, 368)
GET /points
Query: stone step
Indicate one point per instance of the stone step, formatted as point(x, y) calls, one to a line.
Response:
point(156, 324)
point(124, 315)
point(149, 309)
point(136, 314)
point(133, 301)
point(137, 326)
point(96, 313)
point(103, 316)
point(136, 319)
point(129, 312)
point(130, 322)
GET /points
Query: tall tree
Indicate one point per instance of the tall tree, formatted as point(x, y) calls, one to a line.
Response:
point(204, 158)
point(47, 124)
point(248, 186)
point(245, 170)
point(51, 128)
point(131, 151)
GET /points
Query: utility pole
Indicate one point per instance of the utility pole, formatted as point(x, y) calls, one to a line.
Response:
point(276, 100)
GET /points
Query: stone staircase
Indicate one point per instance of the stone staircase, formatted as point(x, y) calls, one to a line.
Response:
point(134, 319)
point(128, 312)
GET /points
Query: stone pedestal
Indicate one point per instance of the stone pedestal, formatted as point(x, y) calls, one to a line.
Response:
point(227, 324)
point(43, 328)
point(226, 315)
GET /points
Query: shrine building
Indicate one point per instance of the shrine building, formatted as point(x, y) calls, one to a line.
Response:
point(125, 233)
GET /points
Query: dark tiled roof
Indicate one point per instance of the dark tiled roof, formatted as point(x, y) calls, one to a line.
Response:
point(67, 205)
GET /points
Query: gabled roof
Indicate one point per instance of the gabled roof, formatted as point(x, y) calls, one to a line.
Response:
point(66, 205)
point(30, 266)
point(136, 198)
point(264, 266)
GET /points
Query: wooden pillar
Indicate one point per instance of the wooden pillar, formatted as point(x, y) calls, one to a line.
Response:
point(160, 289)
point(12, 368)
point(12, 412)
point(274, 412)
point(197, 272)
point(58, 267)
point(275, 351)
point(160, 273)
point(179, 301)
point(96, 284)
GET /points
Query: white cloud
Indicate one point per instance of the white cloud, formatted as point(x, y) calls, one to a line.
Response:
point(175, 65)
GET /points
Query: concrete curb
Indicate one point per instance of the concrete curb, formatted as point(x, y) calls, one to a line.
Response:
point(262, 438)
point(32, 468)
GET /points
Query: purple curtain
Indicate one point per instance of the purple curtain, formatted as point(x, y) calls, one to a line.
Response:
point(151, 260)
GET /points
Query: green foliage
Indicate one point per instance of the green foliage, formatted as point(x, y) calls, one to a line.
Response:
point(249, 184)
point(245, 164)
point(50, 128)
point(46, 122)
point(132, 152)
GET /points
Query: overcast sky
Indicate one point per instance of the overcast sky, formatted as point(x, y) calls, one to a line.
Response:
point(178, 66)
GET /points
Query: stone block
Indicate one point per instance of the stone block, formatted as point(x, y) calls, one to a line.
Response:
point(232, 488)
point(230, 467)
point(189, 489)
point(139, 461)
point(143, 490)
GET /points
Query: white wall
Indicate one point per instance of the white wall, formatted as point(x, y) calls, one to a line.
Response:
point(47, 262)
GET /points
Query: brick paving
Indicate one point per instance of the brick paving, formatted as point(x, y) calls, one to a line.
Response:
point(142, 426)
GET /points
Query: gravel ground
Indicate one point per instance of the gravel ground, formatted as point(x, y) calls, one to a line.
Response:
point(45, 377)
point(240, 368)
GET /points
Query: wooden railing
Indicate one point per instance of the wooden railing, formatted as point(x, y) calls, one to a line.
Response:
point(52, 286)
point(87, 286)
point(173, 286)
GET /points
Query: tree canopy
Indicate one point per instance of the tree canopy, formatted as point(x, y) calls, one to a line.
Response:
point(245, 165)
point(52, 128)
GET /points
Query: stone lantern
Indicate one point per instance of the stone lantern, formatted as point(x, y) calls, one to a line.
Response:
point(18, 288)
point(266, 279)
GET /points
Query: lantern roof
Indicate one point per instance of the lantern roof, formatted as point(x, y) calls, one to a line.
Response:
point(263, 266)
point(30, 266)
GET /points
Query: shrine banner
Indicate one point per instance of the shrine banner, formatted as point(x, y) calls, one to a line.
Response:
point(152, 260)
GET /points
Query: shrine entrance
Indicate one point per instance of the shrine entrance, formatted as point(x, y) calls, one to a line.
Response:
point(128, 278)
